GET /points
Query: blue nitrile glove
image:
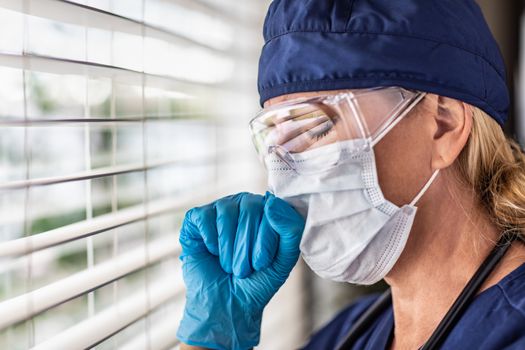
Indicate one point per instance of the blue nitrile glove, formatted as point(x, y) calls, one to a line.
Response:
point(236, 254)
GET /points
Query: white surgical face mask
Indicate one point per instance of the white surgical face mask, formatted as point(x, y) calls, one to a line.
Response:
point(352, 233)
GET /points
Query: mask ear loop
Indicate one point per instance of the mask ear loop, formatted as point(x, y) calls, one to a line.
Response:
point(424, 189)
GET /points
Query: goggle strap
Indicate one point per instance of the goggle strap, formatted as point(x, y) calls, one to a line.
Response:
point(395, 122)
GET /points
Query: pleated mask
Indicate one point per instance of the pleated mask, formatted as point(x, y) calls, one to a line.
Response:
point(352, 233)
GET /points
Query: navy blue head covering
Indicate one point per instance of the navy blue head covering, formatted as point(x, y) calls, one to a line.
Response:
point(439, 46)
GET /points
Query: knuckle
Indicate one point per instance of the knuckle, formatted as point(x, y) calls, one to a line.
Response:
point(188, 215)
point(186, 232)
point(233, 197)
point(225, 209)
point(252, 202)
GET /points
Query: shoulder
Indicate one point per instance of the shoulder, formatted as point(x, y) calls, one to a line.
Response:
point(330, 334)
point(512, 287)
point(496, 318)
point(504, 325)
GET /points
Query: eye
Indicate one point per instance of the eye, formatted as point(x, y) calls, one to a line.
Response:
point(323, 133)
point(322, 130)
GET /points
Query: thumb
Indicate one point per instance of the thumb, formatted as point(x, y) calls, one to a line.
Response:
point(289, 225)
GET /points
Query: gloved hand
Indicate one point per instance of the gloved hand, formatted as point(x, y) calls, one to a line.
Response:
point(236, 254)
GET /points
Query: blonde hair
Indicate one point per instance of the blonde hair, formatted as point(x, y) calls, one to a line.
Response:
point(494, 166)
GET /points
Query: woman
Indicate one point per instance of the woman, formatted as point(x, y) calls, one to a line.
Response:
point(382, 129)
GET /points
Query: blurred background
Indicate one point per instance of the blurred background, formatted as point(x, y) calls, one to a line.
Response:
point(116, 116)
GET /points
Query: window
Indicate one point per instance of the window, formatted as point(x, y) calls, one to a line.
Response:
point(116, 117)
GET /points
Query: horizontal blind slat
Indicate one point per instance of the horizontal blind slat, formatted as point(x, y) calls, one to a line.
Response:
point(54, 65)
point(107, 171)
point(96, 225)
point(58, 65)
point(35, 302)
point(162, 335)
point(17, 122)
point(79, 14)
point(96, 329)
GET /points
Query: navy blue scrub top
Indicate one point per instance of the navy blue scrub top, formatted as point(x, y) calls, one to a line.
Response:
point(494, 320)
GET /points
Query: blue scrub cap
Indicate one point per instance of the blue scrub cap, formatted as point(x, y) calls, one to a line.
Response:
point(438, 46)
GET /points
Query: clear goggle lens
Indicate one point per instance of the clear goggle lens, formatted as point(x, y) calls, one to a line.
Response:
point(296, 129)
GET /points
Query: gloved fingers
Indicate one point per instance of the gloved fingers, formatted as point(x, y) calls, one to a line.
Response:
point(190, 237)
point(289, 225)
point(250, 212)
point(265, 247)
point(227, 217)
point(204, 218)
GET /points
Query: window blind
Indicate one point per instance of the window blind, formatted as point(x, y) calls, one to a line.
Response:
point(116, 116)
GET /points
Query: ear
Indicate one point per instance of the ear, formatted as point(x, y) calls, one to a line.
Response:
point(453, 124)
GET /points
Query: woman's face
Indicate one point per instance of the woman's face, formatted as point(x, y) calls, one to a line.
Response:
point(403, 156)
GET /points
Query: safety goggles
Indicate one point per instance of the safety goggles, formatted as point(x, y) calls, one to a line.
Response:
point(301, 126)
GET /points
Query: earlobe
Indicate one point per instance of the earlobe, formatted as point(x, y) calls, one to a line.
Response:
point(453, 121)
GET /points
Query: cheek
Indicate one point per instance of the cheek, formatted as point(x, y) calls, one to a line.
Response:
point(403, 161)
